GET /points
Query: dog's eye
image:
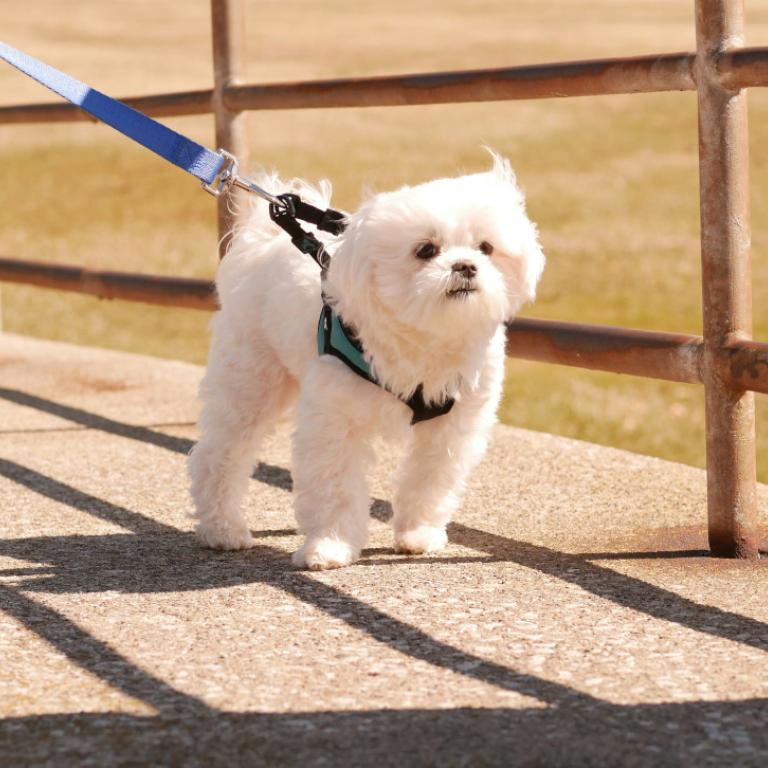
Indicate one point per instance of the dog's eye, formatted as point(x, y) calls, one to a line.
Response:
point(427, 251)
point(485, 247)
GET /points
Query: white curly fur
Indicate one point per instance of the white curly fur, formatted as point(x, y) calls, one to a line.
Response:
point(416, 328)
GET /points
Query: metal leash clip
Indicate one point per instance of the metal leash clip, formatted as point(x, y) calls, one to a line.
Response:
point(228, 177)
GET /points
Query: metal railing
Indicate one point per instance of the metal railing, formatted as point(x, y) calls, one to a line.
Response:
point(725, 360)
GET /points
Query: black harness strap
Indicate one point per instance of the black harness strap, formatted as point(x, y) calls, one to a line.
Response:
point(295, 208)
point(326, 221)
point(423, 411)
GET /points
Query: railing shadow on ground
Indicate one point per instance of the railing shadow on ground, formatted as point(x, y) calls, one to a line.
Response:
point(572, 724)
point(692, 733)
point(175, 562)
point(578, 569)
point(574, 727)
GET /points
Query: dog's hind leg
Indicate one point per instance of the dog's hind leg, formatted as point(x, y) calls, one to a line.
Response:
point(244, 392)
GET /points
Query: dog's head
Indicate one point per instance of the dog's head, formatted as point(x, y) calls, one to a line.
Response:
point(440, 256)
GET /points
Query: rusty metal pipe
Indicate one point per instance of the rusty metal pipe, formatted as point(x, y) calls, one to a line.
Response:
point(189, 293)
point(597, 77)
point(159, 105)
point(637, 74)
point(228, 27)
point(743, 68)
point(726, 284)
point(653, 354)
point(668, 356)
point(745, 365)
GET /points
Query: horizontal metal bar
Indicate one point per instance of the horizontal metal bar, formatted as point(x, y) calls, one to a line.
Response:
point(743, 68)
point(746, 365)
point(159, 105)
point(598, 77)
point(634, 74)
point(638, 74)
point(668, 356)
point(151, 289)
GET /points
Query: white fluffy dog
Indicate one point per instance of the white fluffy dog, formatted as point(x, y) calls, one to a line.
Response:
point(425, 278)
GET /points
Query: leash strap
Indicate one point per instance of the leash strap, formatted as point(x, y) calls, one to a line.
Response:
point(184, 153)
point(216, 170)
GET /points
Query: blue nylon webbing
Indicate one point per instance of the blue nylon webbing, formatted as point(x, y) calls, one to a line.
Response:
point(177, 149)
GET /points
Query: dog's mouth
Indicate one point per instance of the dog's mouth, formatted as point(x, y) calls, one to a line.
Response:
point(461, 291)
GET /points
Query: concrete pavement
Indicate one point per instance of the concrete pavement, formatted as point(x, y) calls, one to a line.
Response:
point(574, 618)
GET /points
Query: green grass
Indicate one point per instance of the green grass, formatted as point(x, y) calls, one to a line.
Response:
point(612, 183)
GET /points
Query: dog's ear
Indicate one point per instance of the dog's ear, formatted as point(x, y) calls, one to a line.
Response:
point(534, 266)
point(501, 169)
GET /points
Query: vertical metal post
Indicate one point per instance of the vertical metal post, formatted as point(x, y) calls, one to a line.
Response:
point(228, 28)
point(726, 283)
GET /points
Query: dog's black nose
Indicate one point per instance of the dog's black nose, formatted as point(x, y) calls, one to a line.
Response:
point(466, 268)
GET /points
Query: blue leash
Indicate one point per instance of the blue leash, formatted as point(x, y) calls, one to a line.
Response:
point(216, 170)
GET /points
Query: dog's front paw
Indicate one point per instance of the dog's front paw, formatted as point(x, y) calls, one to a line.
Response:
point(418, 541)
point(324, 554)
point(225, 537)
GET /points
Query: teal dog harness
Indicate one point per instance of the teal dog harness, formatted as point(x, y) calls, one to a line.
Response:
point(335, 338)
